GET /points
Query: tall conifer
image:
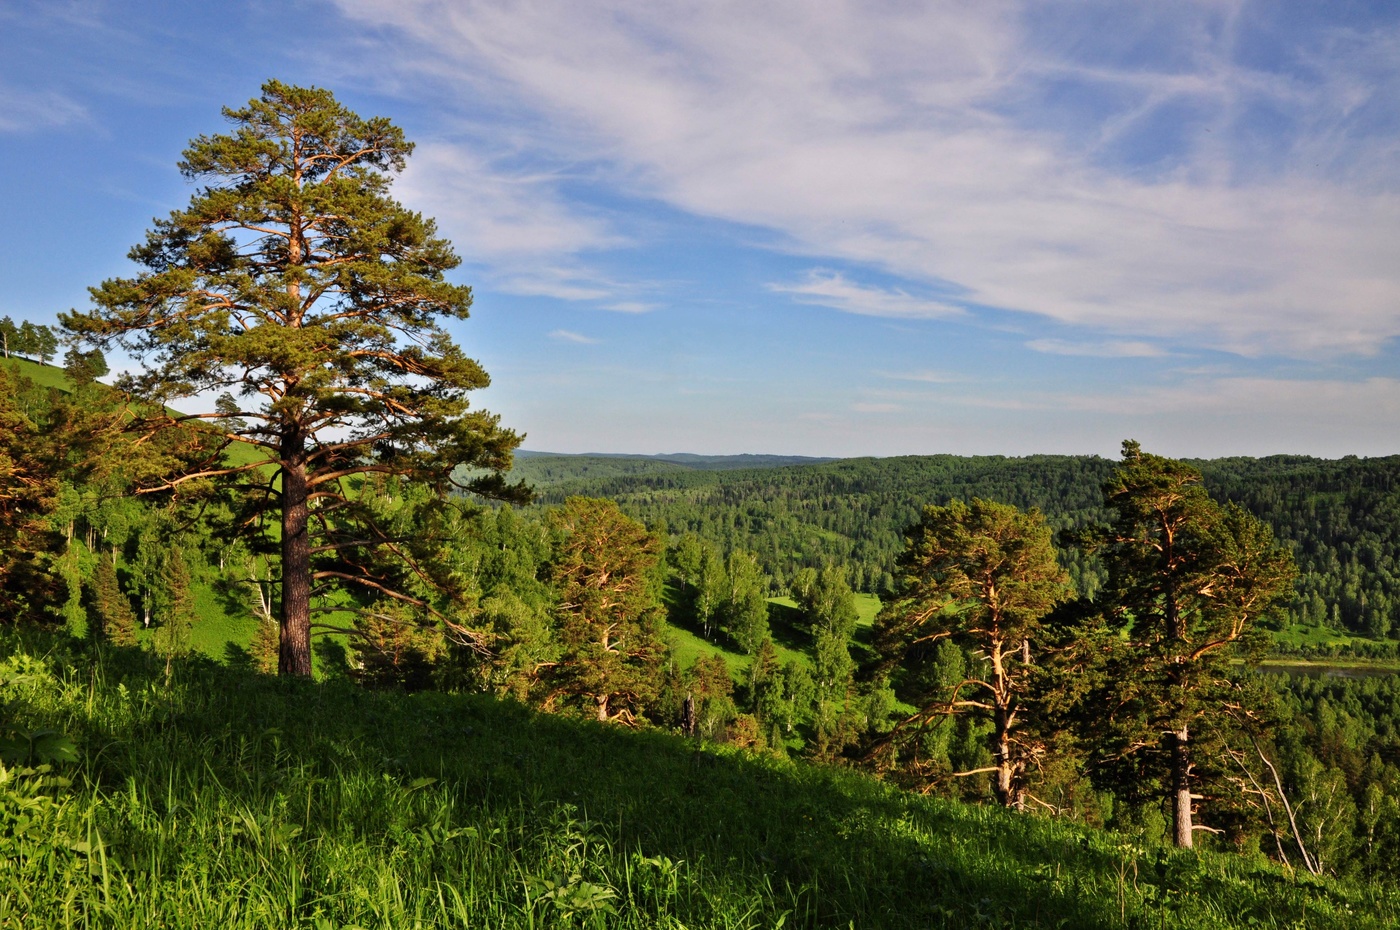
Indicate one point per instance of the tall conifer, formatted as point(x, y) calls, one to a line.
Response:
point(296, 286)
point(984, 575)
point(1191, 585)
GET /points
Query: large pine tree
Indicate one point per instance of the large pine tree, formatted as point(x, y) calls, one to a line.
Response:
point(296, 288)
point(1191, 584)
point(985, 575)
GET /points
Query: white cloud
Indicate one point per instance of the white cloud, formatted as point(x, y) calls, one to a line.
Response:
point(540, 280)
point(831, 289)
point(1291, 403)
point(565, 335)
point(515, 220)
point(630, 306)
point(1112, 348)
point(866, 407)
point(923, 139)
point(494, 210)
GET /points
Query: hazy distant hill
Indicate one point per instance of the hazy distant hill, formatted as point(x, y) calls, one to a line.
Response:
point(687, 459)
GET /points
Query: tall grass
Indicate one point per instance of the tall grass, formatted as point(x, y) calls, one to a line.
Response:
point(225, 799)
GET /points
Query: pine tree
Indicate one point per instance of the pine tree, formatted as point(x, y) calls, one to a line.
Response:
point(109, 606)
point(984, 575)
point(175, 611)
point(294, 284)
point(764, 684)
point(610, 649)
point(1191, 585)
point(394, 652)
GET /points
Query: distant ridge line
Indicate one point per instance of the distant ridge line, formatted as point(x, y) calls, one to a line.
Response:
point(689, 459)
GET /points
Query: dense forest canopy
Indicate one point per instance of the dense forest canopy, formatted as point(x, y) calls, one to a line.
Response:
point(1340, 518)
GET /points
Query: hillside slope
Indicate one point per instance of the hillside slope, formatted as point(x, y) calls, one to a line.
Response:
point(223, 798)
point(50, 376)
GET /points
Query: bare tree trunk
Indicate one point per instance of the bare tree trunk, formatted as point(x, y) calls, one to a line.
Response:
point(602, 700)
point(294, 652)
point(1312, 864)
point(1181, 788)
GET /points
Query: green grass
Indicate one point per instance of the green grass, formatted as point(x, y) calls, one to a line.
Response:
point(687, 646)
point(1298, 635)
point(793, 644)
point(49, 376)
point(225, 799)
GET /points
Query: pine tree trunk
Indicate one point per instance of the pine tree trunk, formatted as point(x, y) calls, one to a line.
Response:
point(602, 700)
point(294, 653)
point(1181, 788)
point(1008, 791)
point(1003, 787)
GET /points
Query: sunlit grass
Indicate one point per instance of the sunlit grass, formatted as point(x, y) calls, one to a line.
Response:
point(231, 800)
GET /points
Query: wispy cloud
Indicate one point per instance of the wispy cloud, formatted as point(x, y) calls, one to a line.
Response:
point(567, 335)
point(630, 306)
point(832, 289)
point(1108, 173)
point(513, 219)
point(925, 377)
point(1305, 403)
point(1112, 348)
point(867, 407)
point(26, 110)
point(568, 282)
point(1296, 401)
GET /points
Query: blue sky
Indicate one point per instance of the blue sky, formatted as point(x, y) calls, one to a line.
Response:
point(835, 228)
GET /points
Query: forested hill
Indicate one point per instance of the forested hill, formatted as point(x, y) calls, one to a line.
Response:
point(1342, 516)
point(549, 467)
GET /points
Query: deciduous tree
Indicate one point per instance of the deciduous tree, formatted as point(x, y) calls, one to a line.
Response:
point(745, 606)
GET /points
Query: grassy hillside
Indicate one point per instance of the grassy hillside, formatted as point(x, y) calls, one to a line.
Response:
point(222, 798)
point(49, 376)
